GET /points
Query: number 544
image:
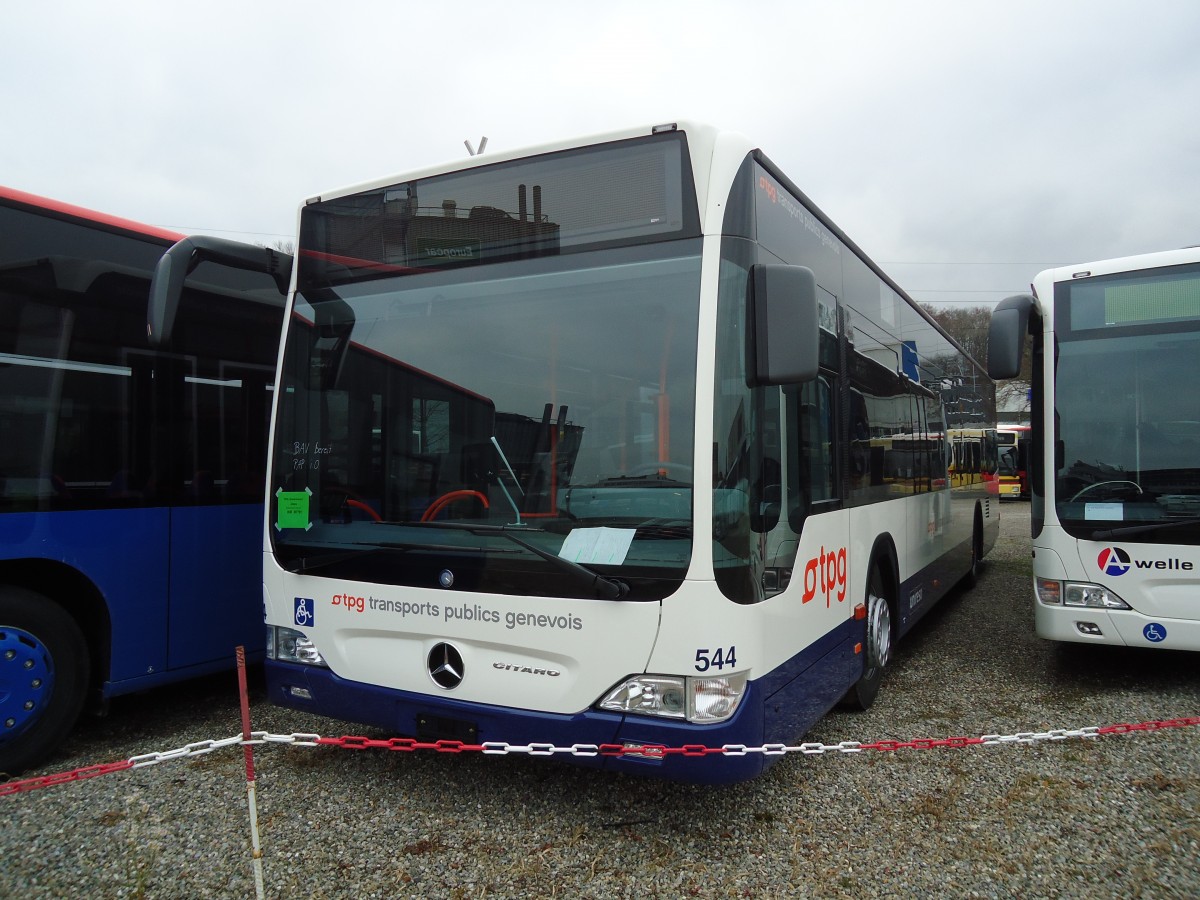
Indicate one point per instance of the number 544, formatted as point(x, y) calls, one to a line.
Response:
point(715, 659)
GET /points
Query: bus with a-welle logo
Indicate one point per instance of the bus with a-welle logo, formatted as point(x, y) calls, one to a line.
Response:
point(618, 477)
point(1115, 454)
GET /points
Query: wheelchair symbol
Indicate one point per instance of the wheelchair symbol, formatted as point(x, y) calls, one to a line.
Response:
point(1155, 633)
point(305, 614)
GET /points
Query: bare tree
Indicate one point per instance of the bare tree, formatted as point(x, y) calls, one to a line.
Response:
point(969, 326)
point(966, 324)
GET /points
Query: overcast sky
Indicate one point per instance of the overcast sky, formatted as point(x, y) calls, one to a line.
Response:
point(964, 146)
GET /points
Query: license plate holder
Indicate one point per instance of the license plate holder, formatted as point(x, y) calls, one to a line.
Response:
point(442, 728)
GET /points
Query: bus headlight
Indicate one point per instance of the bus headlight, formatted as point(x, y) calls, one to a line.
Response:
point(1092, 595)
point(1077, 593)
point(702, 701)
point(289, 645)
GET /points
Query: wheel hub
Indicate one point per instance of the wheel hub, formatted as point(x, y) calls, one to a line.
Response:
point(26, 680)
point(879, 632)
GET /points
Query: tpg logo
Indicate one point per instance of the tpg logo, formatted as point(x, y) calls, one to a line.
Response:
point(1115, 561)
point(827, 573)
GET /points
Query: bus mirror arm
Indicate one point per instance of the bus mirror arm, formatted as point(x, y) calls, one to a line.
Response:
point(1006, 335)
point(174, 266)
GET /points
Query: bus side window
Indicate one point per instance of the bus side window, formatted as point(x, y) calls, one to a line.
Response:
point(814, 454)
point(766, 483)
point(935, 418)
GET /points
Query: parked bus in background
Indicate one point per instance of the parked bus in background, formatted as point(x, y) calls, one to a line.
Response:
point(1013, 441)
point(581, 445)
point(973, 458)
point(1115, 452)
point(131, 477)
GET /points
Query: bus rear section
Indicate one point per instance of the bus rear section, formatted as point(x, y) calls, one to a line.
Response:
point(1116, 447)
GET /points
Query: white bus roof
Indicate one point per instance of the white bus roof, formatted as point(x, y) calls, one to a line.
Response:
point(1119, 264)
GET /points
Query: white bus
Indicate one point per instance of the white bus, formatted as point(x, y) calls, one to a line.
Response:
point(1115, 457)
point(580, 445)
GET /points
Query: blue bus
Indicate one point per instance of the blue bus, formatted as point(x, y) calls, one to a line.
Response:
point(131, 476)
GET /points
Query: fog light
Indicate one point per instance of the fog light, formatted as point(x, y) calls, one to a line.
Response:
point(1091, 629)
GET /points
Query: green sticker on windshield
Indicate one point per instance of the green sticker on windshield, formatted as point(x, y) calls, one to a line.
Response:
point(292, 509)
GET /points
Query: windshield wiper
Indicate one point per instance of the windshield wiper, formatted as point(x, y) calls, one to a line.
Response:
point(1131, 530)
point(605, 587)
point(312, 561)
point(645, 528)
point(644, 480)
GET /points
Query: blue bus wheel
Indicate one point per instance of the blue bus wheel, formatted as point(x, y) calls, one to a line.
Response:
point(43, 677)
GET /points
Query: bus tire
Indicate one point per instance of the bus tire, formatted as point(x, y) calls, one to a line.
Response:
point(877, 646)
point(44, 668)
point(972, 577)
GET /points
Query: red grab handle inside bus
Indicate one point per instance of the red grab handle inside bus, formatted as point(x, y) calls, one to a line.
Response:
point(446, 499)
point(358, 504)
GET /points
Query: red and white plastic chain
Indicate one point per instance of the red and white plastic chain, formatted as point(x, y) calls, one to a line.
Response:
point(410, 745)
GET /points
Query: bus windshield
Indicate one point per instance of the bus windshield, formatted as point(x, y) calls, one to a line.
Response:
point(1129, 454)
point(479, 424)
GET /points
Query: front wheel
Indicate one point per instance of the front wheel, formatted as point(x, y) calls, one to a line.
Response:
point(878, 644)
point(43, 677)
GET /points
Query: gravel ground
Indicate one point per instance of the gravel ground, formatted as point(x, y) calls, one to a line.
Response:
point(1112, 817)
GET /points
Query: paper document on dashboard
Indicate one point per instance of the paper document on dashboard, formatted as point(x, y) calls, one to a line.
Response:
point(598, 546)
